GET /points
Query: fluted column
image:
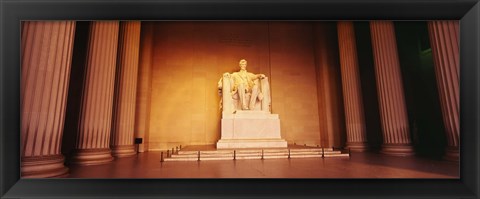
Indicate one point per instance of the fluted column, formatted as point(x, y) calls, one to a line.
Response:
point(46, 61)
point(352, 91)
point(446, 58)
point(93, 137)
point(391, 98)
point(125, 90)
point(142, 110)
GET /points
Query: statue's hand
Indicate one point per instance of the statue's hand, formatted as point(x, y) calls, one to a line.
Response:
point(262, 76)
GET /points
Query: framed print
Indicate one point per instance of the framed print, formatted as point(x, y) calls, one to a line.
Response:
point(239, 98)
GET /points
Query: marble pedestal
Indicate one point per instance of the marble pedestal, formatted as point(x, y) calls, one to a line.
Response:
point(251, 129)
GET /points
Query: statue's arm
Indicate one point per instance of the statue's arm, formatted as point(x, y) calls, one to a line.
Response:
point(220, 84)
point(257, 76)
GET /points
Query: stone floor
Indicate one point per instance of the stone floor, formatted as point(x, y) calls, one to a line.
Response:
point(359, 165)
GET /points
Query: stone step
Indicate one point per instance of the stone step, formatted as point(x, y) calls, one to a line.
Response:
point(196, 156)
point(272, 153)
point(306, 156)
point(206, 154)
point(257, 151)
point(253, 157)
point(249, 155)
point(333, 152)
point(202, 152)
point(180, 159)
point(338, 155)
point(268, 156)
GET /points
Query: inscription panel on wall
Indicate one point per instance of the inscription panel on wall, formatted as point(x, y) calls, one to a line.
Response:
point(234, 39)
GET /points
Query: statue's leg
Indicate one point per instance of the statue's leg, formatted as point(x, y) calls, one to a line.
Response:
point(241, 96)
point(265, 87)
point(253, 97)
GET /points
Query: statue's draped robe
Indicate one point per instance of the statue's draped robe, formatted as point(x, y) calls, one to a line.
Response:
point(255, 87)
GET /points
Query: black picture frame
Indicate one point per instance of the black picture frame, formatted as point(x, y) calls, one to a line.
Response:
point(12, 12)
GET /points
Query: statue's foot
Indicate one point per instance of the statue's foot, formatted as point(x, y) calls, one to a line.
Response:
point(245, 108)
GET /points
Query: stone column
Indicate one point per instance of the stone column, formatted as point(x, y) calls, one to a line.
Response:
point(352, 91)
point(329, 90)
point(391, 98)
point(125, 90)
point(142, 110)
point(95, 121)
point(446, 58)
point(46, 61)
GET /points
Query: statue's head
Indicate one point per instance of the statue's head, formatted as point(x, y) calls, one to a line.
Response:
point(243, 64)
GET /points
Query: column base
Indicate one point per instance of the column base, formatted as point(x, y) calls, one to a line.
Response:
point(91, 157)
point(397, 149)
point(123, 151)
point(51, 166)
point(357, 146)
point(452, 154)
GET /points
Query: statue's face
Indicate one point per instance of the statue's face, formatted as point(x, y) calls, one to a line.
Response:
point(243, 64)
